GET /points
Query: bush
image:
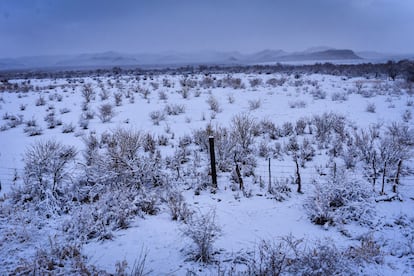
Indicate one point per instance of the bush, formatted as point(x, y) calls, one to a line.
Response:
point(213, 104)
point(179, 209)
point(371, 108)
point(254, 104)
point(157, 116)
point(106, 113)
point(46, 173)
point(203, 230)
point(340, 200)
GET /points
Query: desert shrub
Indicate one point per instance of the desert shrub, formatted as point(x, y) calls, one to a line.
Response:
point(174, 109)
point(297, 104)
point(68, 128)
point(40, 101)
point(322, 259)
point(255, 82)
point(162, 95)
point(64, 110)
point(157, 116)
point(318, 94)
point(300, 126)
point(57, 259)
point(230, 98)
point(32, 128)
point(106, 113)
point(370, 108)
point(368, 251)
point(214, 104)
point(13, 120)
point(340, 200)
point(339, 96)
point(103, 210)
point(203, 230)
point(287, 129)
point(407, 115)
point(177, 206)
point(88, 93)
point(51, 120)
point(46, 177)
point(118, 98)
point(243, 130)
point(254, 104)
point(280, 188)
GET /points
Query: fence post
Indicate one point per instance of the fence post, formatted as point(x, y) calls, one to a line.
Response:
point(269, 189)
point(213, 162)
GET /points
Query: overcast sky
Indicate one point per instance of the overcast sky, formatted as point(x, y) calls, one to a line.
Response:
point(38, 27)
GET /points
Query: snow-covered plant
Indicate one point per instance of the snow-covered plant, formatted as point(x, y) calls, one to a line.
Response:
point(157, 116)
point(203, 230)
point(254, 104)
point(68, 128)
point(118, 98)
point(323, 259)
point(57, 259)
point(177, 206)
point(174, 109)
point(46, 175)
point(88, 93)
point(106, 112)
point(339, 200)
point(280, 188)
point(214, 104)
point(371, 108)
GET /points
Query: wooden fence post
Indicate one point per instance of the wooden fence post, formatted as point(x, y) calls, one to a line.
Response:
point(213, 162)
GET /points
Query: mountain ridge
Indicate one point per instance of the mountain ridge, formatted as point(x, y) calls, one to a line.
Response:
point(113, 58)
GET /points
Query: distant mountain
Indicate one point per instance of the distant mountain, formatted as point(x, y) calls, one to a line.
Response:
point(325, 55)
point(173, 58)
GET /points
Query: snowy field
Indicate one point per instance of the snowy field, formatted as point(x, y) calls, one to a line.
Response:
point(112, 175)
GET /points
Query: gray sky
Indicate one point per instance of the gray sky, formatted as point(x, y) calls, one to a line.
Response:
point(37, 27)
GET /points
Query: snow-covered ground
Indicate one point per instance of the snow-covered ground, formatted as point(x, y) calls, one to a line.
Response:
point(246, 217)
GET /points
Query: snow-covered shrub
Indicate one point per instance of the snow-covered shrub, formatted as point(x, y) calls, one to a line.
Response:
point(255, 82)
point(297, 104)
point(40, 101)
point(106, 112)
point(51, 120)
point(102, 211)
point(270, 258)
point(57, 259)
point(318, 94)
point(174, 109)
point(407, 115)
point(203, 230)
point(370, 108)
point(230, 98)
point(119, 159)
point(157, 116)
point(68, 128)
point(327, 124)
point(340, 200)
point(369, 251)
point(177, 206)
point(64, 110)
point(280, 188)
point(339, 96)
point(322, 259)
point(214, 104)
point(88, 93)
point(118, 98)
point(162, 95)
point(243, 130)
point(32, 128)
point(300, 126)
point(46, 177)
point(254, 104)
